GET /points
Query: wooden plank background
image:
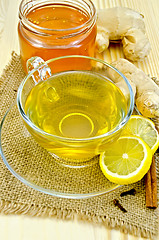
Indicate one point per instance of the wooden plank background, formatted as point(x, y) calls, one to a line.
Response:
point(27, 228)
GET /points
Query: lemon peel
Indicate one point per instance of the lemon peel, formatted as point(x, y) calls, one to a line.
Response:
point(145, 128)
point(127, 161)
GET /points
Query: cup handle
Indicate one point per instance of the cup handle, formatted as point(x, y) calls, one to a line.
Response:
point(42, 72)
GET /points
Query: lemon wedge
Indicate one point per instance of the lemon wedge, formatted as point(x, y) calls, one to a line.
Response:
point(144, 128)
point(126, 161)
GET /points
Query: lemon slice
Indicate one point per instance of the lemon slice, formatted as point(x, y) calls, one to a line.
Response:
point(126, 161)
point(144, 128)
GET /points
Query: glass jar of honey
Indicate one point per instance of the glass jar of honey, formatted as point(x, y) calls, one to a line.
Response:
point(50, 28)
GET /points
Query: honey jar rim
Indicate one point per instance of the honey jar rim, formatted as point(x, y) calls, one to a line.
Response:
point(50, 31)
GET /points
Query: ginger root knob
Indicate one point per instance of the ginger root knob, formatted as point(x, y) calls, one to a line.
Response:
point(125, 25)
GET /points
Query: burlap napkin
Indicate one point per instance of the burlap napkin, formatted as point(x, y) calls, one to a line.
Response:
point(17, 198)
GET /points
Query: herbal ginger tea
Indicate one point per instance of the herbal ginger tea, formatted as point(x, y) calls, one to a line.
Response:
point(76, 104)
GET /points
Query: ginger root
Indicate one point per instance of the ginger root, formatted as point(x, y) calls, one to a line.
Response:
point(146, 91)
point(127, 25)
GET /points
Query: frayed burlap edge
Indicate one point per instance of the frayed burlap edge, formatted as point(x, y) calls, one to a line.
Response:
point(10, 64)
point(8, 207)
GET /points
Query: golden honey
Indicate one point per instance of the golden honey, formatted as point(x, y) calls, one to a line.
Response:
point(47, 29)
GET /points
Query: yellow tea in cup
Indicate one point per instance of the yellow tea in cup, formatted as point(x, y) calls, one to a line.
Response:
point(74, 114)
point(75, 104)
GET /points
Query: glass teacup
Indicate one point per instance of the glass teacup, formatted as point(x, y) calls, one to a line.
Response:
point(74, 112)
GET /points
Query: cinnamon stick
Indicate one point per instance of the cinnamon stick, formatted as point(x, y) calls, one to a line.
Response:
point(151, 186)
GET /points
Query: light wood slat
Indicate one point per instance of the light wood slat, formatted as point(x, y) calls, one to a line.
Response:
point(26, 228)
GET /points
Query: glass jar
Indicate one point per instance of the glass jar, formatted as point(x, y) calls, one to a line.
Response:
point(50, 28)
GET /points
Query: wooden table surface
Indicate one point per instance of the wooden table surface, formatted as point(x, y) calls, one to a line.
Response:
point(33, 228)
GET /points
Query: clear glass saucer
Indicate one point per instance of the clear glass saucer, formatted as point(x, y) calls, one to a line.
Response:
point(37, 168)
